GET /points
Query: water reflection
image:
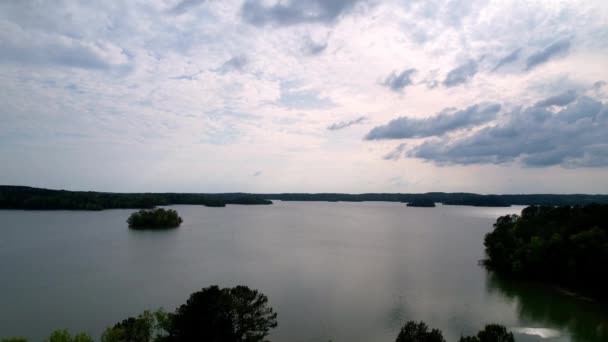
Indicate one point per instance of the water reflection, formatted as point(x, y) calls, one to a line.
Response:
point(543, 310)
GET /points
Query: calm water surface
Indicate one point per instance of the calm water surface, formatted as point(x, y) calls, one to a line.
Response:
point(340, 271)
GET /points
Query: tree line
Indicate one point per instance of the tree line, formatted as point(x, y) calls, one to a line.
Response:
point(17, 197)
point(237, 314)
point(22, 197)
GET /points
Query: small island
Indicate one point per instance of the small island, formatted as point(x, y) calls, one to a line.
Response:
point(158, 218)
point(422, 203)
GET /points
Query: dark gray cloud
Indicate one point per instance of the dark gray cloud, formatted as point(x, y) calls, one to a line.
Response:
point(294, 12)
point(575, 136)
point(313, 48)
point(396, 153)
point(599, 85)
point(554, 50)
point(184, 5)
point(443, 122)
point(397, 81)
point(562, 99)
point(461, 74)
point(512, 57)
point(236, 63)
point(343, 124)
point(64, 52)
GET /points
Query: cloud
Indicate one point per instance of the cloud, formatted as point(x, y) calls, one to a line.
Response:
point(236, 63)
point(599, 85)
point(461, 74)
point(512, 57)
point(443, 122)
point(554, 50)
point(297, 98)
point(343, 124)
point(313, 48)
point(575, 136)
point(40, 49)
point(396, 153)
point(562, 99)
point(184, 5)
point(294, 12)
point(257, 173)
point(396, 82)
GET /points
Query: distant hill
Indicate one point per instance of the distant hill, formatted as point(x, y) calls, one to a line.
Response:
point(453, 198)
point(23, 197)
point(422, 203)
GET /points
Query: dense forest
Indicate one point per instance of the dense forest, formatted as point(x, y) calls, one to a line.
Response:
point(234, 315)
point(19, 197)
point(158, 218)
point(566, 246)
point(422, 202)
point(22, 197)
point(451, 198)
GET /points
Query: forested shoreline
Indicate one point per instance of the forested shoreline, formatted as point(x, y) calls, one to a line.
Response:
point(23, 197)
point(20, 197)
point(565, 246)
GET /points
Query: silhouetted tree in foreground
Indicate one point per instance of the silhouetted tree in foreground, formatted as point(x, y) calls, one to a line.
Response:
point(226, 315)
point(236, 314)
point(491, 333)
point(64, 336)
point(419, 332)
point(149, 326)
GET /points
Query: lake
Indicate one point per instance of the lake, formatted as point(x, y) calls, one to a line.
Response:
point(332, 271)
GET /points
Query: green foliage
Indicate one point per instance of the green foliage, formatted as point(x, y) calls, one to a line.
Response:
point(227, 315)
point(562, 245)
point(64, 336)
point(155, 219)
point(419, 332)
point(149, 326)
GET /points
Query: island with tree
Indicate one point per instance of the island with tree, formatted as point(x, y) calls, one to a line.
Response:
point(564, 246)
point(158, 218)
point(422, 203)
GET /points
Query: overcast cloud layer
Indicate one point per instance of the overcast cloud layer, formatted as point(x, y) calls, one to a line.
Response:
point(293, 96)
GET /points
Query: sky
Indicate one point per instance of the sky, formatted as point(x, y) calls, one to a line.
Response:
point(305, 95)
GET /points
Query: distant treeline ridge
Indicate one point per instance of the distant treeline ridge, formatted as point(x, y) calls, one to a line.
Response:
point(23, 197)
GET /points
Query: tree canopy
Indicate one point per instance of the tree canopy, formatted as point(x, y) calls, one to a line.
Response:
point(223, 315)
point(491, 333)
point(65, 336)
point(419, 332)
point(154, 219)
point(567, 246)
point(147, 327)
